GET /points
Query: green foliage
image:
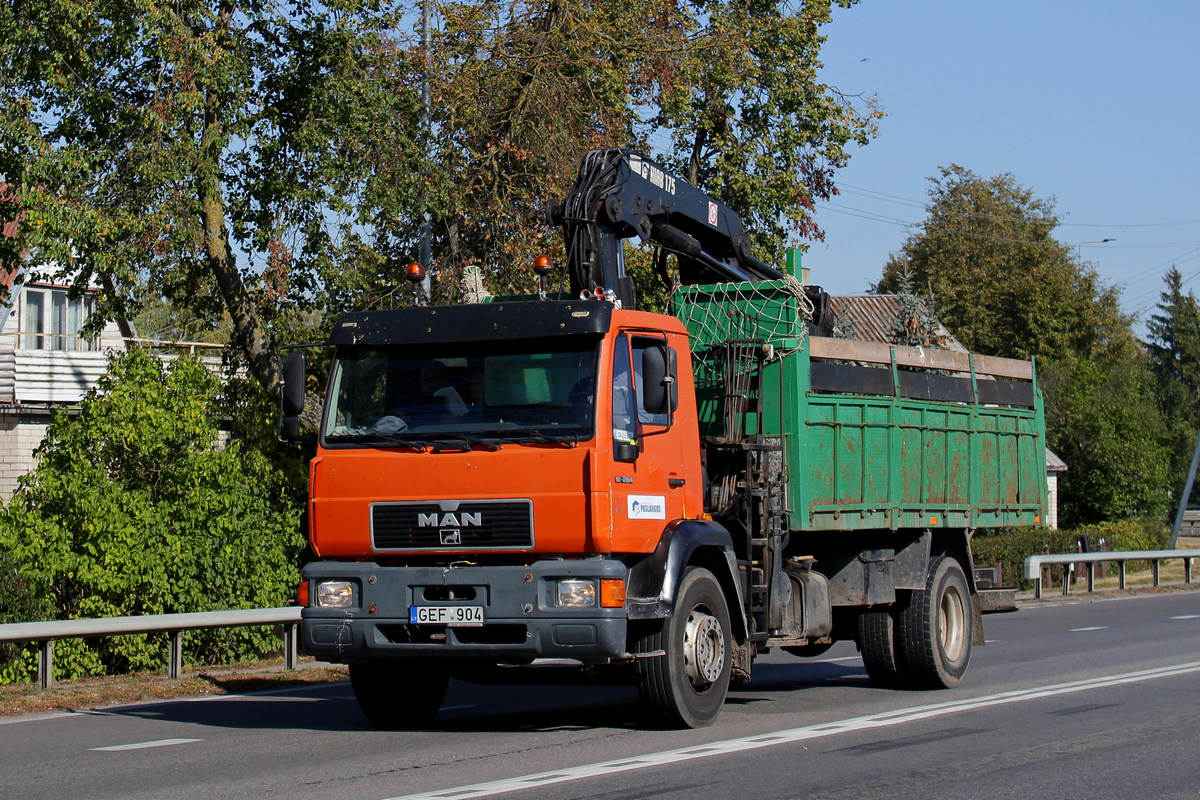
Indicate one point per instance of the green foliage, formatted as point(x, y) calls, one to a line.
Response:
point(19, 602)
point(1004, 285)
point(1142, 533)
point(1174, 351)
point(726, 94)
point(1009, 547)
point(1103, 420)
point(222, 156)
point(133, 509)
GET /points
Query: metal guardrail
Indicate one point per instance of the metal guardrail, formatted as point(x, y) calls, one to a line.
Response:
point(46, 633)
point(1034, 564)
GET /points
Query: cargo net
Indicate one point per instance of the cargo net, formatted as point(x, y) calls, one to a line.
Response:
point(777, 312)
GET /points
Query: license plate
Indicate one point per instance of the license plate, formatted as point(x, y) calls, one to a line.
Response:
point(454, 616)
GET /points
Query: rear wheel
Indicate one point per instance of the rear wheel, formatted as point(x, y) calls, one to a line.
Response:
point(877, 643)
point(687, 684)
point(399, 692)
point(934, 629)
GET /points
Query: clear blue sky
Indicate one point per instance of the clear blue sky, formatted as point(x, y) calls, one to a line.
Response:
point(1094, 104)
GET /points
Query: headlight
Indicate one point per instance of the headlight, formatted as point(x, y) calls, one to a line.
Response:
point(335, 594)
point(576, 594)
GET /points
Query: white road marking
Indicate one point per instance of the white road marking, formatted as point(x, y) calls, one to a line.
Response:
point(1187, 616)
point(792, 735)
point(835, 660)
point(144, 745)
point(1093, 628)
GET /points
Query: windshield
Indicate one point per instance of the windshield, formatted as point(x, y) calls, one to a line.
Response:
point(476, 395)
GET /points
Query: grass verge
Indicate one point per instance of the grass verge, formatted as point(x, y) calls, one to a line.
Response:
point(101, 692)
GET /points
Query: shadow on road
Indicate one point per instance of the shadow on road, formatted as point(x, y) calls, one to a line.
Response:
point(471, 708)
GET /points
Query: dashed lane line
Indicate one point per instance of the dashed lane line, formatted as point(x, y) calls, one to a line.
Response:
point(117, 748)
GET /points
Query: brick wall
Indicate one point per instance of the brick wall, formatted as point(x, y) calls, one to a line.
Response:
point(20, 435)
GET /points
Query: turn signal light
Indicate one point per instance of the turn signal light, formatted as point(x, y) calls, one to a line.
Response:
point(302, 594)
point(612, 593)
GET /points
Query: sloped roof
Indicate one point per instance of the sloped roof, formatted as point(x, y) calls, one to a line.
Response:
point(874, 316)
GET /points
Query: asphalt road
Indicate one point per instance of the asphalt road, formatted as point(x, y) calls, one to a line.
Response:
point(1083, 700)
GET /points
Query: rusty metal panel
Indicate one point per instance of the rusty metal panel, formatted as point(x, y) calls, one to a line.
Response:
point(884, 437)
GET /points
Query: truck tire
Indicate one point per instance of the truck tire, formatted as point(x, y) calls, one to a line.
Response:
point(687, 684)
point(934, 628)
point(399, 693)
point(877, 644)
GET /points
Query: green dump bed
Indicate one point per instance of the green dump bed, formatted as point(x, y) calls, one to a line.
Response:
point(872, 436)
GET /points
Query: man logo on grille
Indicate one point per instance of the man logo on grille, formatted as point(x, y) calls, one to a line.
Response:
point(465, 519)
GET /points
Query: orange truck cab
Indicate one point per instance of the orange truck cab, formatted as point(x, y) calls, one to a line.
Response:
point(501, 483)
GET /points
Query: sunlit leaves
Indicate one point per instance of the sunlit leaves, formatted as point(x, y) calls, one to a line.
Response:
point(135, 507)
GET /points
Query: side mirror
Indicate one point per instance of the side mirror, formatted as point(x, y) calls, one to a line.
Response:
point(291, 400)
point(659, 392)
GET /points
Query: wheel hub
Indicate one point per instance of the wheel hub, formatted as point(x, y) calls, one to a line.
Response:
point(703, 649)
point(951, 627)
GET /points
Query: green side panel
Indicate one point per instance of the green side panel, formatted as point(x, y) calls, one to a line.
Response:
point(857, 462)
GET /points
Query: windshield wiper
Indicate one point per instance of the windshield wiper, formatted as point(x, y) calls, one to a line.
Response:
point(571, 439)
point(470, 441)
point(402, 439)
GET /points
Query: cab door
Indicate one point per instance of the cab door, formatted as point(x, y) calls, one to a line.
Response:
point(647, 472)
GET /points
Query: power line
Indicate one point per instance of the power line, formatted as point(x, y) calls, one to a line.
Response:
point(892, 198)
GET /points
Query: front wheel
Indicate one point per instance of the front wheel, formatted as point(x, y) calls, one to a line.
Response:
point(935, 628)
point(399, 693)
point(686, 685)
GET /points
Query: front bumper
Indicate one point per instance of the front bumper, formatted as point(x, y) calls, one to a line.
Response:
point(522, 620)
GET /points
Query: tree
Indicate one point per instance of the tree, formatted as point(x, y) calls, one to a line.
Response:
point(1102, 418)
point(252, 159)
point(215, 153)
point(724, 93)
point(1005, 286)
point(134, 509)
point(1174, 351)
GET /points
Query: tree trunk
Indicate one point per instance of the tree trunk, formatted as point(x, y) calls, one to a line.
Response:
point(218, 250)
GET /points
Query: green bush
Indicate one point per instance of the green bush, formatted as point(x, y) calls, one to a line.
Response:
point(19, 602)
point(1010, 547)
point(1127, 534)
point(134, 508)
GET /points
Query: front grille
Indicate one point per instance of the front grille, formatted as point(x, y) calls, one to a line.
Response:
point(466, 526)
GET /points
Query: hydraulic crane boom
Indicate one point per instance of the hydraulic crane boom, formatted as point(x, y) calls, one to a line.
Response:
point(620, 194)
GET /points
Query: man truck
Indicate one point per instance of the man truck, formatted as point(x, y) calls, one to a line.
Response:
point(533, 488)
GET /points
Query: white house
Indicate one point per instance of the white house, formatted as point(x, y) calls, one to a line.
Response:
point(44, 364)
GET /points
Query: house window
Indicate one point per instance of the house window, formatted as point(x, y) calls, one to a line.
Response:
point(53, 319)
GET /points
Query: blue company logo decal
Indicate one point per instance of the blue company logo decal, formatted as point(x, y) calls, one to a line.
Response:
point(643, 506)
